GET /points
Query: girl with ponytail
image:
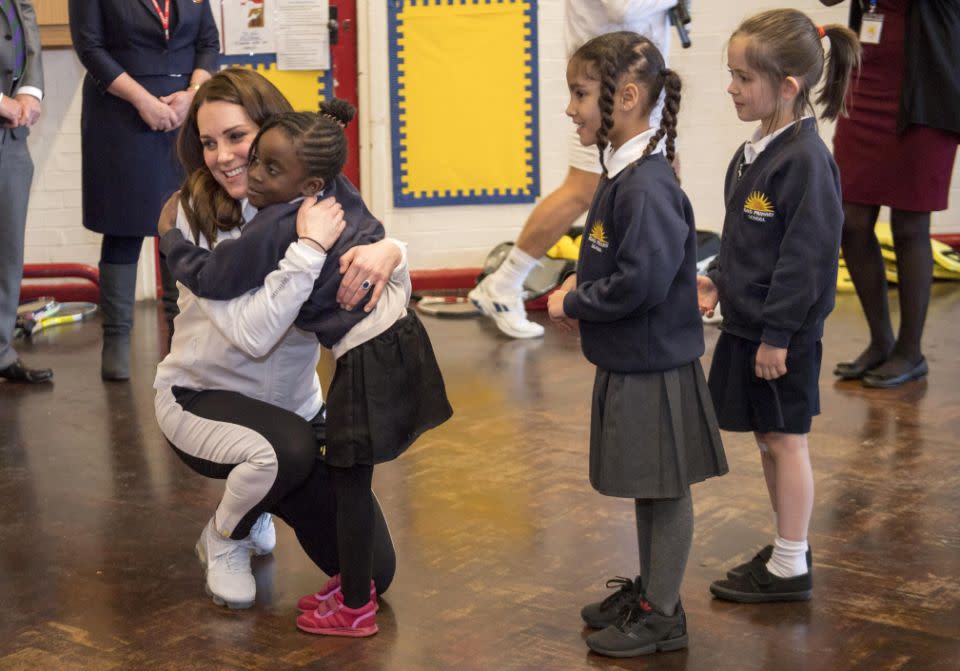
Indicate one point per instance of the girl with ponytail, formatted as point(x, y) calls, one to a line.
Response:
point(653, 432)
point(777, 275)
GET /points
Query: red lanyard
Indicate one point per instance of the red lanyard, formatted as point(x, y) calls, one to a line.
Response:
point(164, 17)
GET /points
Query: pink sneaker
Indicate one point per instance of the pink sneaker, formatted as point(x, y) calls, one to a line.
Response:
point(341, 620)
point(313, 601)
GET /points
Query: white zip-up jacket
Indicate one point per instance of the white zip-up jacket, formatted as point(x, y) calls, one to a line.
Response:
point(249, 345)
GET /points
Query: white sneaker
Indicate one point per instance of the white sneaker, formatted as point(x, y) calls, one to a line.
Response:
point(227, 562)
point(507, 312)
point(263, 535)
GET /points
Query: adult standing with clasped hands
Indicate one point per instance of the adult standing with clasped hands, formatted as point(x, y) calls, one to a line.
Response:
point(21, 90)
point(145, 59)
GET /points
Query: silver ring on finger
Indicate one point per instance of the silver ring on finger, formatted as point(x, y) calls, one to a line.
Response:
point(365, 285)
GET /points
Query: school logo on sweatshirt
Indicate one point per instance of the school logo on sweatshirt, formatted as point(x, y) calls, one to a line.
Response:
point(598, 237)
point(758, 207)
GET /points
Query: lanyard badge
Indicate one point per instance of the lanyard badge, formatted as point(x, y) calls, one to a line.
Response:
point(872, 25)
point(164, 17)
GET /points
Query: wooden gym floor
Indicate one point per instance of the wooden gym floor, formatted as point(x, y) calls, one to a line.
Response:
point(499, 535)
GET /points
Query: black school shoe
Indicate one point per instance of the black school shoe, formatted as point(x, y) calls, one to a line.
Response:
point(758, 585)
point(642, 630)
point(602, 614)
point(764, 555)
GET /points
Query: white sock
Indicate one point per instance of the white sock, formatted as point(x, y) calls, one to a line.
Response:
point(509, 277)
point(789, 558)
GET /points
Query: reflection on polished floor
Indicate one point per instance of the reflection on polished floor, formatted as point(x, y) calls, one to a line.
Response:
point(499, 535)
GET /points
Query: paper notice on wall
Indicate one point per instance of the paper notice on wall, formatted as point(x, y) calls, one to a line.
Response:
point(303, 34)
point(246, 26)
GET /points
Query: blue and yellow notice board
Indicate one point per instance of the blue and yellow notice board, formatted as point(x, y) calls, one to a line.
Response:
point(305, 89)
point(463, 90)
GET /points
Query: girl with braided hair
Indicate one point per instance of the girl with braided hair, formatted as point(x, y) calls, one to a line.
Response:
point(653, 432)
point(777, 275)
point(387, 388)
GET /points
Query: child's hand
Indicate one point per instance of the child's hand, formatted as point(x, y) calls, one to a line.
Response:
point(320, 224)
point(771, 362)
point(555, 310)
point(707, 295)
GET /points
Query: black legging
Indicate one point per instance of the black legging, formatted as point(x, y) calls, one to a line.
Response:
point(312, 512)
point(303, 493)
point(861, 252)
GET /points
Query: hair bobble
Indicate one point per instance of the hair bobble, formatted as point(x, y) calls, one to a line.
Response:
point(821, 31)
point(334, 119)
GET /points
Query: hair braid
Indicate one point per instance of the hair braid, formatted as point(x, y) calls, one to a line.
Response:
point(608, 87)
point(318, 137)
point(623, 54)
point(668, 122)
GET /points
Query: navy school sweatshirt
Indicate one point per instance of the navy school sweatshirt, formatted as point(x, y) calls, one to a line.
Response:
point(636, 295)
point(777, 268)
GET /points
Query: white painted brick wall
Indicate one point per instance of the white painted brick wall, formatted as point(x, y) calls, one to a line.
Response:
point(440, 236)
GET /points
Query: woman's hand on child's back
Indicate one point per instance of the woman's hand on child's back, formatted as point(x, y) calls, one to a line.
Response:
point(771, 362)
point(319, 224)
point(367, 268)
point(707, 296)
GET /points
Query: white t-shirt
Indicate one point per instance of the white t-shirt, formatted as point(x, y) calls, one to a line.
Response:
point(585, 19)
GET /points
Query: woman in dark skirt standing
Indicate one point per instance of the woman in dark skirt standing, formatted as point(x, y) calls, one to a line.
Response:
point(897, 149)
point(653, 431)
point(145, 59)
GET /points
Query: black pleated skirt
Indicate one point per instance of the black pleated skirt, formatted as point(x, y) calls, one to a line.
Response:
point(652, 435)
point(385, 393)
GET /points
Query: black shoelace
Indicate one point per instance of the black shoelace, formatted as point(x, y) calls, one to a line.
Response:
point(624, 585)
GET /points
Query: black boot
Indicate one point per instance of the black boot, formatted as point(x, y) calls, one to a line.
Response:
point(118, 286)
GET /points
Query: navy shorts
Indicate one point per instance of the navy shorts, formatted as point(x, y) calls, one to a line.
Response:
point(745, 402)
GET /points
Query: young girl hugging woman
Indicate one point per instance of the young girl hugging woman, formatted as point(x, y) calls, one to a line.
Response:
point(652, 432)
point(776, 275)
point(387, 388)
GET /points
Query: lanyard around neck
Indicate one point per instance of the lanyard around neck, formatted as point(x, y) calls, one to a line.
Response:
point(164, 17)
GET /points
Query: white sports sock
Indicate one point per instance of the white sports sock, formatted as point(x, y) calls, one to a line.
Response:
point(789, 558)
point(509, 277)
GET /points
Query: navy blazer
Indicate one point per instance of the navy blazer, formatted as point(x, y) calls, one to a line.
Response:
point(116, 36)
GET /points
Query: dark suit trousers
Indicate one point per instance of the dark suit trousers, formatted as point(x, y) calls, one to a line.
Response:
point(16, 175)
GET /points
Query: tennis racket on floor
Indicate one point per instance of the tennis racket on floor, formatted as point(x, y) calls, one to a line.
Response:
point(68, 313)
point(447, 307)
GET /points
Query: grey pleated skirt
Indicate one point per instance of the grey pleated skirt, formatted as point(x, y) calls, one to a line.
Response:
point(652, 435)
